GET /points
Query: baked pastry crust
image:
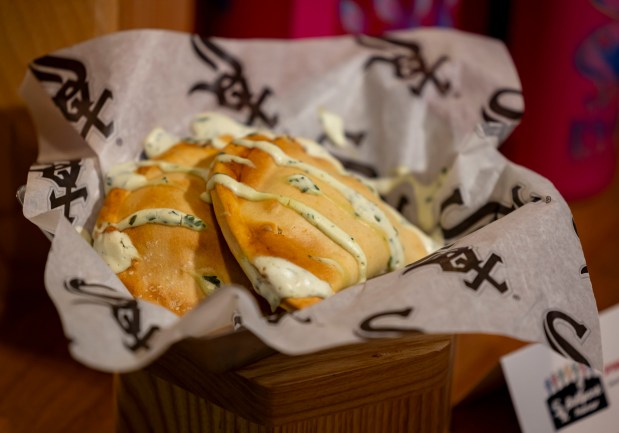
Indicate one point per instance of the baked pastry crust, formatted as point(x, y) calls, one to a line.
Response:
point(175, 263)
point(285, 218)
point(271, 218)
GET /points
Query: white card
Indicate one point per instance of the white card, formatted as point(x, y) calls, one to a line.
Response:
point(553, 394)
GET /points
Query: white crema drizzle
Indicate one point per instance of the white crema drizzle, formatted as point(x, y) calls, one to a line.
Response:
point(211, 126)
point(164, 216)
point(333, 125)
point(116, 248)
point(225, 158)
point(365, 209)
point(315, 218)
point(124, 175)
point(315, 150)
point(303, 184)
point(158, 141)
point(283, 279)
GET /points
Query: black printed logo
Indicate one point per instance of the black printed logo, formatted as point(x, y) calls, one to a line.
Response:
point(371, 326)
point(574, 392)
point(355, 138)
point(64, 175)
point(465, 260)
point(231, 87)
point(584, 270)
point(501, 106)
point(558, 342)
point(360, 167)
point(125, 311)
point(408, 62)
point(504, 108)
point(492, 209)
point(73, 97)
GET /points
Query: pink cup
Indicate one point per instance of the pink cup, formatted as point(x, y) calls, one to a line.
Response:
point(567, 54)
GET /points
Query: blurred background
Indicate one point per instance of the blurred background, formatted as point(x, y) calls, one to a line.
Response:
point(567, 55)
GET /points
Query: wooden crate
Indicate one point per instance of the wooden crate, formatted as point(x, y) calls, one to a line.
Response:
point(394, 385)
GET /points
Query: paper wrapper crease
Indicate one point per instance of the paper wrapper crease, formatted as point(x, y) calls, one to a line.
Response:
point(427, 107)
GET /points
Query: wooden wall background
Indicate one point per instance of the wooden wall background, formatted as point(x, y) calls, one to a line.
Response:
point(29, 29)
point(41, 388)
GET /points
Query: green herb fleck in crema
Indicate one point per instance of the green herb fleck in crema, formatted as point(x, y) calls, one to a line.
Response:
point(303, 184)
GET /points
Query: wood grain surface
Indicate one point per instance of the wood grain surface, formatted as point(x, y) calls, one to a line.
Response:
point(167, 408)
point(383, 385)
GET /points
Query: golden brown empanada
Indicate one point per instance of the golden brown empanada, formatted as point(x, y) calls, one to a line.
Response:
point(158, 233)
point(300, 226)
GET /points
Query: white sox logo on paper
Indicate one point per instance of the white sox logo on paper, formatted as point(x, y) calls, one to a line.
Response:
point(73, 96)
point(485, 214)
point(408, 62)
point(381, 324)
point(557, 341)
point(464, 260)
point(489, 212)
point(502, 111)
point(125, 311)
point(65, 191)
point(230, 86)
point(574, 392)
point(356, 138)
point(461, 260)
point(584, 270)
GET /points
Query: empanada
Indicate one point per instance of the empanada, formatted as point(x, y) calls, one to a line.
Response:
point(160, 236)
point(300, 226)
